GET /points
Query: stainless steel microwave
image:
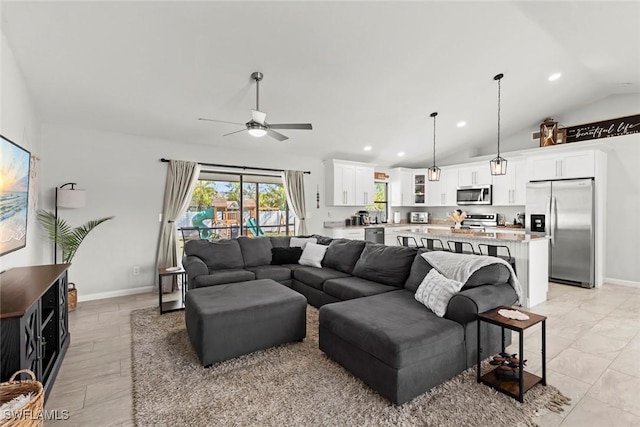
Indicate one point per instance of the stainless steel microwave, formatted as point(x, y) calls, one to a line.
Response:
point(474, 195)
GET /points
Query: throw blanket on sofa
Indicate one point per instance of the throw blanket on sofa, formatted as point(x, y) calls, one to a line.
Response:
point(460, 267)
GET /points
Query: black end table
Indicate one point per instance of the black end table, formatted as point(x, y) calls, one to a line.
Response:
point(526, 380)
point(166, 307)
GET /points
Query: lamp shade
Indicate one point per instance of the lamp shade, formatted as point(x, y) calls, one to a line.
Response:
point(67, 198)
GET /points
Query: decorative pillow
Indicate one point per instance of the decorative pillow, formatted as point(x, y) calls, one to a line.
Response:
point(435, 291)
point(312, 255)
point(301, 242)
point(281, 256)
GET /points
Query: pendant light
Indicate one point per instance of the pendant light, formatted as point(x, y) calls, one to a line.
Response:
point(498, 165)
point(434, 171)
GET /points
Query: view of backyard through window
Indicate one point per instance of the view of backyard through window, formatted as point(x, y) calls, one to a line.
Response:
point(225, 208)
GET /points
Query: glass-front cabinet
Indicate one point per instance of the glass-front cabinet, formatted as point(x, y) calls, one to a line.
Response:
point(419, 188)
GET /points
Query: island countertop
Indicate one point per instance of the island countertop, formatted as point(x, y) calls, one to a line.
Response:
point(471, 234)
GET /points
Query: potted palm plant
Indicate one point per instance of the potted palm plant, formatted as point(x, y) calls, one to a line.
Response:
point(67, 239)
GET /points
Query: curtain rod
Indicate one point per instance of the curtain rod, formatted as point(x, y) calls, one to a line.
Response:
point(215, 165)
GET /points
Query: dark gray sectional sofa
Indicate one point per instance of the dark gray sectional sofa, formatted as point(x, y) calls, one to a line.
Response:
point(370, 322)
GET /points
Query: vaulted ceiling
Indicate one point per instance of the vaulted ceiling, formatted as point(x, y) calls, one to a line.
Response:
point(364, 73)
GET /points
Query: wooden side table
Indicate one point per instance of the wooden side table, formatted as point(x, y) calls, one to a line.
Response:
point(526, 380)
point(166, 307)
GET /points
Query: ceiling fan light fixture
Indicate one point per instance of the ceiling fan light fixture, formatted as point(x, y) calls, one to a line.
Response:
point(256, 129)
point(498, 165)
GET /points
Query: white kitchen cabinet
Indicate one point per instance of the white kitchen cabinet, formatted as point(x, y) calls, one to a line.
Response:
point(443, 192)
point(562, 166)
point(420, 187)
point(401, 187)
point(476, 174)
point(349, 183)
point(345, 233)
point(510, 189)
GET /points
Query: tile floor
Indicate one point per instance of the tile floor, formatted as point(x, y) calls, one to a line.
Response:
point(593, 355)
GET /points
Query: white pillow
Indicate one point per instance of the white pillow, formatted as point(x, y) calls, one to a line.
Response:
point(301, 242)
point(435, 291)
point(312, 255)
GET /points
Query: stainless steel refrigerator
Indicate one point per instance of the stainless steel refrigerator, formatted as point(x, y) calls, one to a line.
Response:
point(564, 211)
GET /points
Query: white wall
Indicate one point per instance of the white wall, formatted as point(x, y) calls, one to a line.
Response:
point(19, 123)
point(622, 231)
point(123, 176)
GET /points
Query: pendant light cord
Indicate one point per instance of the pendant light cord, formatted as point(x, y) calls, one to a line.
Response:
point(499, 78)
point(434, 141)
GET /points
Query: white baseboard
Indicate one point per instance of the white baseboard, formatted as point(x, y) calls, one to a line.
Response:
point(621, 282)
point(112, 294)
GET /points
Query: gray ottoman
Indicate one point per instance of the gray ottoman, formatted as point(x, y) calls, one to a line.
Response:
point(226, 321)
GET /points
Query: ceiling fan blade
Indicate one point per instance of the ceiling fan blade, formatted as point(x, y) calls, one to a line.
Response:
point(221, 121)
point(301, 126)
point(258, 116)
point(231, 133)
point(276, 135)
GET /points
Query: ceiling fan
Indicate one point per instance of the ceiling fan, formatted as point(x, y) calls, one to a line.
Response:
point(257, 126)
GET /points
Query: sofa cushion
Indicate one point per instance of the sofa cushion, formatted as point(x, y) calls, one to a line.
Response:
point(419, 269)
point(312, 255)
point(388, 265)
point(281, 256)
point(255, 250)
point(489, 274)
point(346, 288)
point(219, 254)
point(273, 272)
point(218, 277)
point(322, 240)
point(315, 277)
point(280, 241)
point(393, 327)
point(343, 254)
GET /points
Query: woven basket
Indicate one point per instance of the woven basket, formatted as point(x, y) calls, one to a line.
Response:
point(30, 414)
point(73, 296)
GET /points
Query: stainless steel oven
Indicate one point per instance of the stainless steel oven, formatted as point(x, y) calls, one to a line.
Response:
point(475, 195)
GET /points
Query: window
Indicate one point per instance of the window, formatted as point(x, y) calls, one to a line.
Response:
point(225, 206)
point(380, 206)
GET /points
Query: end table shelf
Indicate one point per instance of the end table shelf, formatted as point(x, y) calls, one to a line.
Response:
point(526, 380)
point(175, 305)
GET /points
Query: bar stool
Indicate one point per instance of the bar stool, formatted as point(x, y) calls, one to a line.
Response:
point(406, 241)
point(492, 250)
point(431, 244)
point(458, 247)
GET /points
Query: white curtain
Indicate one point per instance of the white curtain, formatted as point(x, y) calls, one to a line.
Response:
point(294, 187)
point(181, 180)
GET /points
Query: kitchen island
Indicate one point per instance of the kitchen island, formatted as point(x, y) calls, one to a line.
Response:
point(531, 254)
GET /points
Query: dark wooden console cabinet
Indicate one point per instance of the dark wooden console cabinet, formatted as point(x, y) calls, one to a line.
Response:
point(34, 321)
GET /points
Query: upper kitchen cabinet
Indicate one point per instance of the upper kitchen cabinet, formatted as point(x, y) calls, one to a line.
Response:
point(511, 189)
point(565, 165)
point(420, 187)
point(401, 187)
point(476, 174)
point(443, 192)
point(349, 183)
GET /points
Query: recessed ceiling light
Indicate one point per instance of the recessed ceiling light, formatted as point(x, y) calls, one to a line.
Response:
point(400, 154)
point(555, 76)
point(367, 148)
point(461, 124)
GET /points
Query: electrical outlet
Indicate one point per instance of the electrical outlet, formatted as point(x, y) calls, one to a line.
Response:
point(136, 270)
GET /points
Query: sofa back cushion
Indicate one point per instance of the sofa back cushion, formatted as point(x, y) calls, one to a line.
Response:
point(488, 275)
point(280, 241)
point(343, 254)
point(389, 265)
point(419, 270)
point(255, 250)
point(218, 255)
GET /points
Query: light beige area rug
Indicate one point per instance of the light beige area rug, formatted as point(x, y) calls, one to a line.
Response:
point(296, 385)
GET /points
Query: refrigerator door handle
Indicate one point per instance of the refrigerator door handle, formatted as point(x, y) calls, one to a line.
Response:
point(554, 220)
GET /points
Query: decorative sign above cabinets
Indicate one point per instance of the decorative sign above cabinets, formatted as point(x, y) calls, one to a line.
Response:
point(604, 129)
